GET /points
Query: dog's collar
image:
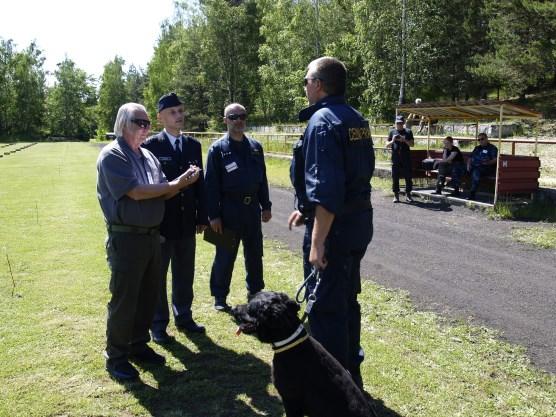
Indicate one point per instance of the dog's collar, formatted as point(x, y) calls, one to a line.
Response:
point(289, 339)
point(291, 345)
point(286, 344)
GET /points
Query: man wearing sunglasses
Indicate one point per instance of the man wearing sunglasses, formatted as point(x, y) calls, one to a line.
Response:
point(131, 189)
point(331, 171)
point(482, 162)
point(184, 215)
point(237, 199)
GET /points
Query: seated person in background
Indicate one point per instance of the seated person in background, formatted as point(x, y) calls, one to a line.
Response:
point(452, 165)
point(482, 162)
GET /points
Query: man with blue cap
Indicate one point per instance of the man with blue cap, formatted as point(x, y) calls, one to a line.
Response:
point(184, 215)
point(400, 139)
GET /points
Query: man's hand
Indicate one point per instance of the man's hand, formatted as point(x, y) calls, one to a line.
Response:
point(295, 219)
point(316, 256)
point(216, 225)
point(200, 228)
point(266, 216)
point(189, 176)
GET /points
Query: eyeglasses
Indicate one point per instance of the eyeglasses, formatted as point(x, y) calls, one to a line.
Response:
point(234, 116)
point(306, 80)
point(142, 123)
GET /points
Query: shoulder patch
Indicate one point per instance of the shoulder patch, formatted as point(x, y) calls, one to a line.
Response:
point(359, 133)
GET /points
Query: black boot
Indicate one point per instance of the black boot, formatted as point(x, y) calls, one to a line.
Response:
point(439, 186)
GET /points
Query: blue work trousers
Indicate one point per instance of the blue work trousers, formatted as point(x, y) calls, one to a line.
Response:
point(180, 254)
point(335, 319)
point(480, 171)
point(401, 166)
point(251, 237)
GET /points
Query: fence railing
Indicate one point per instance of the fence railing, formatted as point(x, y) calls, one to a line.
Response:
point(282, 142)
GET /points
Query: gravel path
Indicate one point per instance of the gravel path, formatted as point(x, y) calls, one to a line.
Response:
point(456, 262)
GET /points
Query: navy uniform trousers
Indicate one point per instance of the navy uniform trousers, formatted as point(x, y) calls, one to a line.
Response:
point(336, 311)
point(248, 227)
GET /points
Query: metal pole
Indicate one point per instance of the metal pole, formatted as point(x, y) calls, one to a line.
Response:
point(401, 98)
point(317, 16)
point(428, 138)
point(498, 154)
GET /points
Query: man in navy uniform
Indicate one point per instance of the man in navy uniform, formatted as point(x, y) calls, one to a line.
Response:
point(331, 172)
point(184, 215)
point(482, 162)
point(237, 199)
point(131, 189)
point(400, 139)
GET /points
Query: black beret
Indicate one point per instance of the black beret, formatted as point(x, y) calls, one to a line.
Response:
point(168, 100)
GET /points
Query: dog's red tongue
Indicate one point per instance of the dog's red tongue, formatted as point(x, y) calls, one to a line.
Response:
point(238, 331)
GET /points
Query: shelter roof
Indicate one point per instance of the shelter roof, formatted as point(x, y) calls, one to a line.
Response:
point(470, 110)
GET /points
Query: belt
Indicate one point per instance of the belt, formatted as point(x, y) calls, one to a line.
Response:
point(122, 228)
point(244, 198)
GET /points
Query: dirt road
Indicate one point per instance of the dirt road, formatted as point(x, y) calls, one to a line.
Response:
point(456, 262)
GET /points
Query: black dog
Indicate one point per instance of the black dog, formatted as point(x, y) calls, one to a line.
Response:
point(309, 380)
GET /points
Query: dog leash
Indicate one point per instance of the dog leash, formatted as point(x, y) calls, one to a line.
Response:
point(311, 298)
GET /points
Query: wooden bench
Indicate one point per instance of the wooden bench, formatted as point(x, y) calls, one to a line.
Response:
point(518, 174)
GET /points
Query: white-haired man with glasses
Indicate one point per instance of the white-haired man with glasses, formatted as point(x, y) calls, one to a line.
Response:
point(131, 189)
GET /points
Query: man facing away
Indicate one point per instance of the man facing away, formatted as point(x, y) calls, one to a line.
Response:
point(184, 215)
point(331, 173)
point(131, 189)
point(237, 199)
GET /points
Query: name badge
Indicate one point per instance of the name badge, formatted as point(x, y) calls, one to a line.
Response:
point(231, 167)
point(164, 158)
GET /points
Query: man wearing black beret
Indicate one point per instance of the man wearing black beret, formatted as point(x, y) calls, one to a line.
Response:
point(185, 214)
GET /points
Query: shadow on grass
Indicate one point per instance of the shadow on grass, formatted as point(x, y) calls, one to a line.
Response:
point(217, 382)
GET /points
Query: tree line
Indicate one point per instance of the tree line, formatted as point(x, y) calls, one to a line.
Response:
point(213, 52)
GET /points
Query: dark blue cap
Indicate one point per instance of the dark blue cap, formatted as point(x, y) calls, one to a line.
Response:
point(168, 100)
point(399, 119)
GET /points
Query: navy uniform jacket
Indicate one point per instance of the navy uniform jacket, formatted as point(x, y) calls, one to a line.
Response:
point(483, 153)
point(337, 161)
point(188, 208)
point(235, 170)
point(399, 149)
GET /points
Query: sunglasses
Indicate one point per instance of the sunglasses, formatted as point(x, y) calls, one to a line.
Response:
point(142, 123)
point(234, 116)
point(306, 80)
point(481, 139)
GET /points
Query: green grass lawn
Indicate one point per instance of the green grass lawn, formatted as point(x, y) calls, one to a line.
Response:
point(52, 329)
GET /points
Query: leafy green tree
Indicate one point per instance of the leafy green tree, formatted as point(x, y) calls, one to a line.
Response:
point(30, 91)
point(7, 93)
point(112, 93)
point(70, 102)
point(135, 82)
point(233, 37)
point(291, 41)
point(522, 50)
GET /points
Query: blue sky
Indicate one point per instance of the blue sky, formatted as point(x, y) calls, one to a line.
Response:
point(90, 33)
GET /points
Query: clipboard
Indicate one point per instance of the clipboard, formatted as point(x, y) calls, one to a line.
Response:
point(228, 239)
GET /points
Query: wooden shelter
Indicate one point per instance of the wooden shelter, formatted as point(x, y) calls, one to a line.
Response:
point(478, 110)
